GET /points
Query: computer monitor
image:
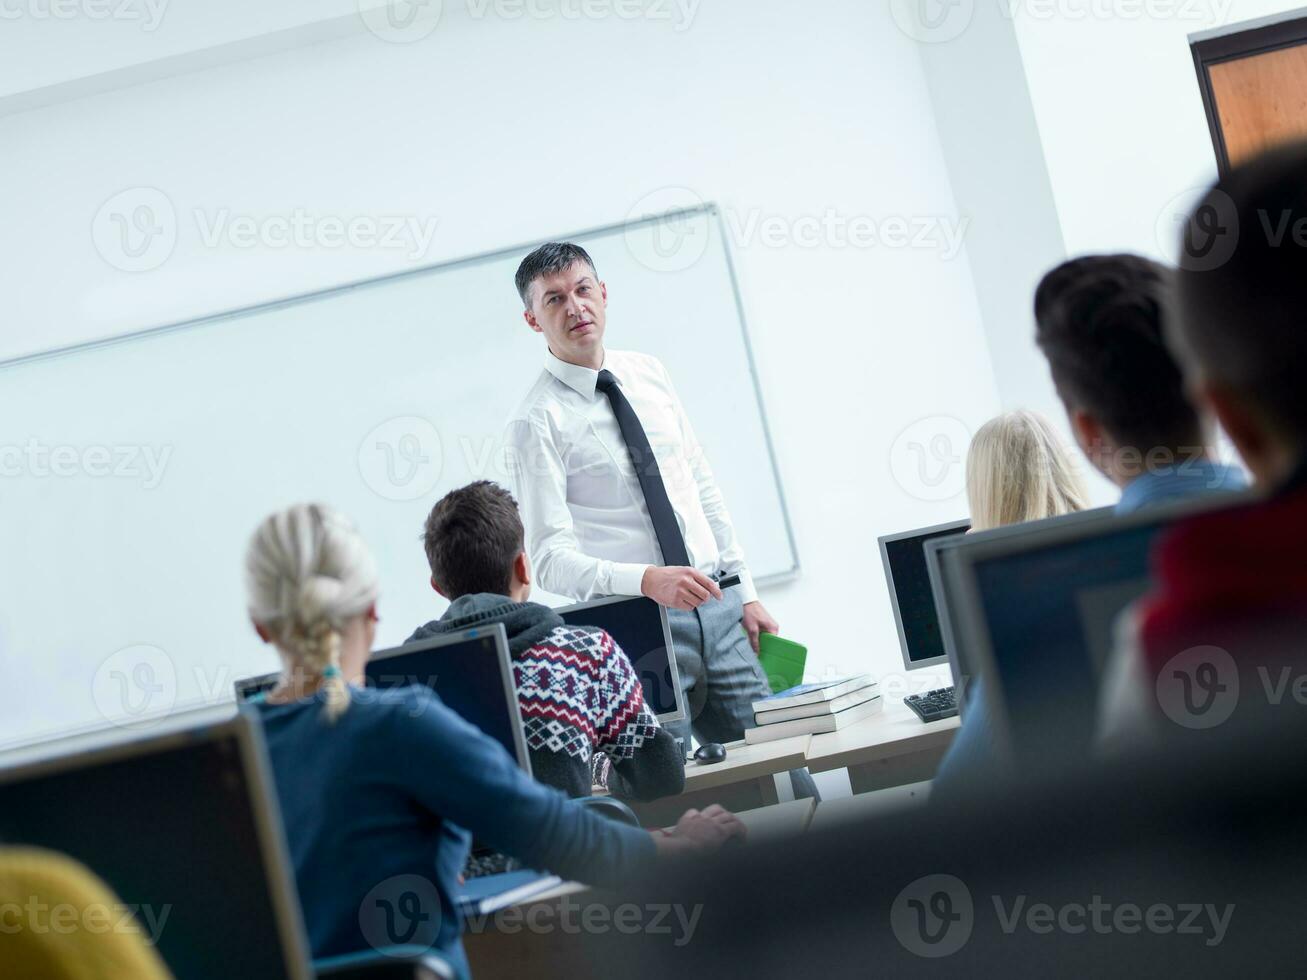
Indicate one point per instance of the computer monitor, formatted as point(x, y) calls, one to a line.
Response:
point(184, 827)
point(904, 558)
point(942, 570)
point(472, 672)
point(1038, 612)
point(639, 625)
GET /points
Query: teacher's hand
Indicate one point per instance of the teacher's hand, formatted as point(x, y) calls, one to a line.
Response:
point(757, 620)
point(678, 587)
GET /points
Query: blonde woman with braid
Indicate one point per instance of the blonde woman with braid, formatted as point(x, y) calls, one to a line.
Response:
point(381, 794)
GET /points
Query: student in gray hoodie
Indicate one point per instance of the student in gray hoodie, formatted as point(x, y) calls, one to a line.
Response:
point(582, 705)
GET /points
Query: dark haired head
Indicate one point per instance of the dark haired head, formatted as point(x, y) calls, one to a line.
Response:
point(1099, 321)
point(472, 537)
point(1242, 288)
point(547, 260)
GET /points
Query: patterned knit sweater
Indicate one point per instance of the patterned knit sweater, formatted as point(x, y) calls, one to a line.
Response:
point(582, 704)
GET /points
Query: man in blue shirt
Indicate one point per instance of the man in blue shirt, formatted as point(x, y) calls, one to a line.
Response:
point(1099, 322)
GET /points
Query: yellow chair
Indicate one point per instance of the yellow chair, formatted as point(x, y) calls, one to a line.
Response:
point(58, 921)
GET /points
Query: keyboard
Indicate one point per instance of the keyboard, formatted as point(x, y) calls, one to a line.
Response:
point(934, 705)
point(490, 863)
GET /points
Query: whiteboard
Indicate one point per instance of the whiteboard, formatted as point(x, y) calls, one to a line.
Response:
point(134, 470)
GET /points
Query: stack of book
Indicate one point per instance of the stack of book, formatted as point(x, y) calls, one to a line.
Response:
point(811, 709)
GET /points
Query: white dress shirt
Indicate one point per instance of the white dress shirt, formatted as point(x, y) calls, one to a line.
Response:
point(588, 530)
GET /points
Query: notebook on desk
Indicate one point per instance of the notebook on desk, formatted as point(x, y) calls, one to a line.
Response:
point(490, 894)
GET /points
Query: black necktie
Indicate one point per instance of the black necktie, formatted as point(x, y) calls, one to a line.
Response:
point(668, 532)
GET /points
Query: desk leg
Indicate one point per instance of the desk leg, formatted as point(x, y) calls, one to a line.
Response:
point(898, 770)
point(735, 797)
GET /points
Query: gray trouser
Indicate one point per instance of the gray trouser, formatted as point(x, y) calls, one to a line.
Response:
point(721, 676)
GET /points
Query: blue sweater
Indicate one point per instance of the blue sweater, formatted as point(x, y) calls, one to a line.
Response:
point(379, 809)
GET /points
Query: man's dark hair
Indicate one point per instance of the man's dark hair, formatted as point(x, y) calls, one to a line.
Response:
point(472, 536)
point(1242, 286)
point(1099, 321)
point(547, 260)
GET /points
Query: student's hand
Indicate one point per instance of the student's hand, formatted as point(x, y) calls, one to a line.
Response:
point(757, 620)
point(702, 831)
point(678, 587)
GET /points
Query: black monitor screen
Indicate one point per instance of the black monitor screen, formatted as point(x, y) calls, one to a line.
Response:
point(1050, 614)
point(911, 583)
point(172, 832)
point(468, 677)
point(636, 624)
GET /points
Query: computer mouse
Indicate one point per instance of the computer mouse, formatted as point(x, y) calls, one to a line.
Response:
point(710, 753)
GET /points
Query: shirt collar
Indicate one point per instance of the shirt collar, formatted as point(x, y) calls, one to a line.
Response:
point(582, 380)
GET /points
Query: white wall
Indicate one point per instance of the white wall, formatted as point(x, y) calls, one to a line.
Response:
point(1119, 112)
point(507, 130)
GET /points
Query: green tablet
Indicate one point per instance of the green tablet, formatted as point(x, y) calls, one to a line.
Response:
point(782, 661)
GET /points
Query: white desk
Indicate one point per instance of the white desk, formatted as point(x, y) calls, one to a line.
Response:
point(890, 748)
point(833, 814)
point(744, 781)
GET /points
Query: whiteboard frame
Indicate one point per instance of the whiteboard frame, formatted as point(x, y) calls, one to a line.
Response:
point(710, 209)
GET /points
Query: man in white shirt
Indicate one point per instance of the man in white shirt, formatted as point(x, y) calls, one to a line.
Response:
point(617, 497)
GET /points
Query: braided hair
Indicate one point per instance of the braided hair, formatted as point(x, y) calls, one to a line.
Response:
point(307, 573)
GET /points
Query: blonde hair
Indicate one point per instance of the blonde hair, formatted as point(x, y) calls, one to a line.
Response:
point(307, 573)
point(1018, 470)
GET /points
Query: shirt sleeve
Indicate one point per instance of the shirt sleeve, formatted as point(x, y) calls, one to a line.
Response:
point(540, 484)
point(731, 555)
point(465, 777)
